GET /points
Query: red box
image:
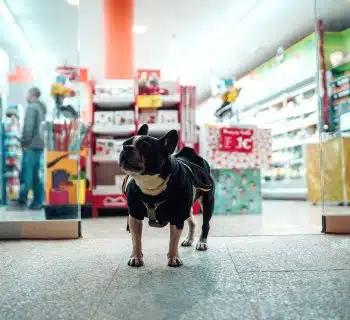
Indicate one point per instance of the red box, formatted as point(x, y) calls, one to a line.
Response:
point(110, 201)
point(59, 196)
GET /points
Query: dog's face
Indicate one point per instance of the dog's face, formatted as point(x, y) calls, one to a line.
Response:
point(145, 155)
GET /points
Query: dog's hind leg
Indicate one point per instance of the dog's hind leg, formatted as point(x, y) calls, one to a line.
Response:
point(191, 229)
point(207, 204)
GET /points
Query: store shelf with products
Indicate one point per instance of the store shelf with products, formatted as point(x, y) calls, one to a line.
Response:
point(114, 120)
point(292, 117)
point(116, 117)
point(339, 108)
point(162, 112)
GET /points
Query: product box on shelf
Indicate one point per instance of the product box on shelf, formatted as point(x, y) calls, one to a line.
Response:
point(148, 116)
point(124, 117)
point(108, 147)
point(104, 118)
point(167, 116)
point(237, 191)
point(115, 88)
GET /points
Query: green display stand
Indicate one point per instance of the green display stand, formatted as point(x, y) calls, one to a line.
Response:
point(237, 192)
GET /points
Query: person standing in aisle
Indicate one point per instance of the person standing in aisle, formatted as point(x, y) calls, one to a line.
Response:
point(32, 142)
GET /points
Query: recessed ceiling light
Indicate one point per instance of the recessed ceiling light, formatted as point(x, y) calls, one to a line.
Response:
point(139, 29)
point(73, 2)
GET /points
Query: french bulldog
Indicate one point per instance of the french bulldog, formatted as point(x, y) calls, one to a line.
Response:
point(163, 186)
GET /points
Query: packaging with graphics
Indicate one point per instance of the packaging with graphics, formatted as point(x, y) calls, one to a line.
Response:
point(237, 191)
point(236, 155)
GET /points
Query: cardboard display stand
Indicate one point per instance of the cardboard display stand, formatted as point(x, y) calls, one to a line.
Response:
point(237, 155)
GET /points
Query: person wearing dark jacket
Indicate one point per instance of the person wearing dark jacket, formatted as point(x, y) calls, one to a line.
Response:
point(32, 142)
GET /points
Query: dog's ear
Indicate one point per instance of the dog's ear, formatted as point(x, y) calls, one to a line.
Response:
point(143, 131)
point(169, 141)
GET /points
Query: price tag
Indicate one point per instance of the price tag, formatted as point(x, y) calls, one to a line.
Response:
point(238, 140)
point(151, 101)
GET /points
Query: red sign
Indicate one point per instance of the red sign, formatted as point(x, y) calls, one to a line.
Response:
point(236, 140)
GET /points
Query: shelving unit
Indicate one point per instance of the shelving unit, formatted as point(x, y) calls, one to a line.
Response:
point(339, 111)
point(114, 120)
point(118, 100)
point(292, 115)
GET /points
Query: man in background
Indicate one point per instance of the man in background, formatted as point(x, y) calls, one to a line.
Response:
point(32, 142)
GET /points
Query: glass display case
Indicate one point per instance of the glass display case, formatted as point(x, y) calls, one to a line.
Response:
point(329, 182)
point(43, 177)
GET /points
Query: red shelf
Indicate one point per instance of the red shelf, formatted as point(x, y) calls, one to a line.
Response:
point(183, 101)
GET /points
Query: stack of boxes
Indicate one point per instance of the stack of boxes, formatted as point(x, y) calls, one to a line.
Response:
point(111, 119)
point(237, 175)
point(162, 117)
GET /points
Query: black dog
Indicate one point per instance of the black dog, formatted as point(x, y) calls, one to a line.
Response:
point(163, 186)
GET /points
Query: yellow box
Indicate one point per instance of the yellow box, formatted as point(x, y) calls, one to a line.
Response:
point(66, 162)
point(334, 167)
point(151, 101)
point(80, 188)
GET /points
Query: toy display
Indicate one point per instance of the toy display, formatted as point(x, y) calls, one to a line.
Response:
point(59, 91)
point(66, 136)
point(117, 102)
point(229, 94)
point(112, 118)
point(123, 117)
point(258, 157)
point(104, 118)
point(65, 184)
point(13, 152)
point(237, 155)
point(159, 116)
point(149, 85)
point(239, 191)
point(109, 147)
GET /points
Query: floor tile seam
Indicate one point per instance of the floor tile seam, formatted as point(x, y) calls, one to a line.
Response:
point(246, 294)
point(294, 270)
point(103, 293)
point(270, 235)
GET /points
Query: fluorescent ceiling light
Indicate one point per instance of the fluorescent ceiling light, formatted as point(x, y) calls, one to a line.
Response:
point(36, 60)
point(17, 31)
point(73, 2)
point(139, 29)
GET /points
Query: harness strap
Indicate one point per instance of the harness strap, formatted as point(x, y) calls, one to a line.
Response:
point(198, 184)
point(151, 214)
point(125, 183)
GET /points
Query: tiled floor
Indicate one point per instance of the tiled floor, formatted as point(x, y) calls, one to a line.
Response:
point(266, 275)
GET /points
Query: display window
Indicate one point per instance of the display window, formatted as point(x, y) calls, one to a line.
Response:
point(332, 178)
point(268, 112)
point(42, 134)
point(285, 120)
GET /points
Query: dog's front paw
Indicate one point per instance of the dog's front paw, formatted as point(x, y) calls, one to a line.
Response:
point(174, 262)
point(187, 242)
point(202, 246)
point(136, 261)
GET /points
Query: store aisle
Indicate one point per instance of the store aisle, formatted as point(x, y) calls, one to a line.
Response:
point(278, 218)
point(264, 277)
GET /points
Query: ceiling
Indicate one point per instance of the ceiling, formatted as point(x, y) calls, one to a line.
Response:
point(191, 38)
